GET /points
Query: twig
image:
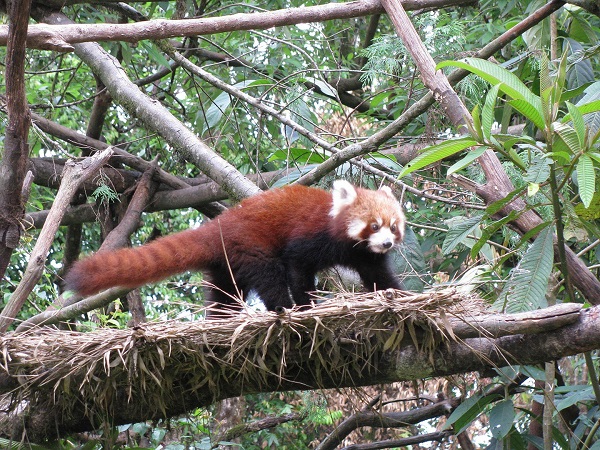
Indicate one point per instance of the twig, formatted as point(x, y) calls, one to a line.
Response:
point(382, 420)
point(402, 442)
point(73, 310)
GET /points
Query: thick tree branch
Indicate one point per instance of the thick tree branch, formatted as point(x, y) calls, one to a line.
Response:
point(188, 365)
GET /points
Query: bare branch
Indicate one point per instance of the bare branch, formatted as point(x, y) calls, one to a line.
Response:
point(63, 37)
point(157, 117)
point(73, 176)
point(384, 420)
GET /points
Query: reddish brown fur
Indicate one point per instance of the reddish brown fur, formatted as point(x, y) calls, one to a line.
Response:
point(264, 242)
point(266, 222)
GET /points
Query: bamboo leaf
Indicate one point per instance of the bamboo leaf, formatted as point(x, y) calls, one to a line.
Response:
point(586, 179)
point(436, 153)
point(526, 288)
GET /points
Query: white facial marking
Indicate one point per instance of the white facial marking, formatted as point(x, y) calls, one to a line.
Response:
point(355, 228)
point(382, 241)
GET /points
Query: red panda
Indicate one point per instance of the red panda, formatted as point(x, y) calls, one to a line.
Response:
point(273, 243)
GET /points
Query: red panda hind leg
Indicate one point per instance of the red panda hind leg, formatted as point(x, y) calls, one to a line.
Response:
point(301, 283)
point(270, 284)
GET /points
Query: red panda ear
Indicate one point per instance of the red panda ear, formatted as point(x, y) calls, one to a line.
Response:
point(343, 194)
point(386, 190)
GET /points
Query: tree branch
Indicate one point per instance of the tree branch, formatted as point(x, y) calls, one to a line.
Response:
point(13, 165)
point(171, 367)
point(384, 420)
point(73, 176)
point(156, 116)
point(62, 37)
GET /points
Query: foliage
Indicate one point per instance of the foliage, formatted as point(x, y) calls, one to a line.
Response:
point(454, 239)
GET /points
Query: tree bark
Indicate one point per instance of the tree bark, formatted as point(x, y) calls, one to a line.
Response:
point(189, 365)
point(13, 165)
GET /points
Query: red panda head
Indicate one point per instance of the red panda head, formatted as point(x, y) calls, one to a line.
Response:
point(374, 217)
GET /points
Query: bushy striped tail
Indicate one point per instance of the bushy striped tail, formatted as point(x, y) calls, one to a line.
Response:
point(134, 267)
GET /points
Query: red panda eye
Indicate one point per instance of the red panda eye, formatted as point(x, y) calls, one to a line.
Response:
point(375, 227)
point(393, 228)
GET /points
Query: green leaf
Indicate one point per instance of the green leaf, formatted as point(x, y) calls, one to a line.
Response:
point(487, 115)
point(216, 110)
point(502, 417)
point(499, 204)
point(579, 394)
point(586, 179)
point(477, 132)
point(466, 160)
point(531, 233)
point(569, 136)
point(298, 155)
point(218, 106)
point(155, 53)
point(489, 230)
point(549, 91)
point(468, 411)
point(495, 74)
point(538, 171)
point(437, 152)
point(459, 230)
point(532, 189)
point(585, 108)
point(526, 288)
point(578, 122)
point(326, 88)
point(529, 111)
point(575, 92)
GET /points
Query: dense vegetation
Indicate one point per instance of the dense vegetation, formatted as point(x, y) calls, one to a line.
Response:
point(498, 178)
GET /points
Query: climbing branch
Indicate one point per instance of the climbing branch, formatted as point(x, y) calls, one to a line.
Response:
point(172, 367)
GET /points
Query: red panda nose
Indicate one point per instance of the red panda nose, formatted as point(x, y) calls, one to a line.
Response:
point(387, 244)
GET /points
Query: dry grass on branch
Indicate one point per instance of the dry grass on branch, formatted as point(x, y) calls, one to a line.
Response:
point(153, 363)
